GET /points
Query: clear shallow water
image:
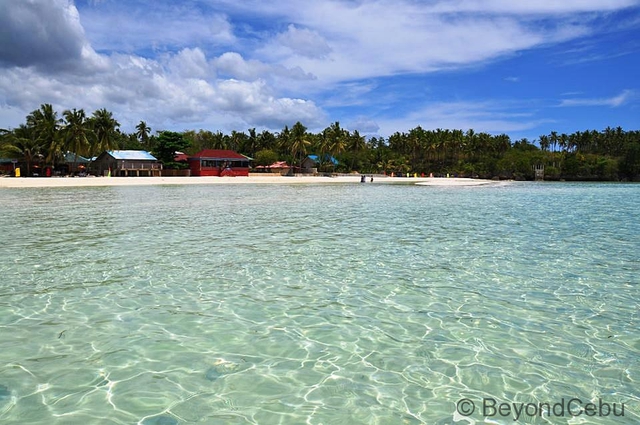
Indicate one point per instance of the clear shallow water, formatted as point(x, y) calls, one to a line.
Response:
point(345, 304)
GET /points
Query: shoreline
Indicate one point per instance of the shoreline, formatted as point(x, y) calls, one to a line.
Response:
point(41, 182)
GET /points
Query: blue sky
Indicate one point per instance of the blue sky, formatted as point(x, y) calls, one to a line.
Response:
point(499, 66)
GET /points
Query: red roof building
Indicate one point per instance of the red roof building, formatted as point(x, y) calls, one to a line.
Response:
point(218, 162)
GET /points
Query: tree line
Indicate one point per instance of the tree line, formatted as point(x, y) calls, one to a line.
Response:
point(611, 154)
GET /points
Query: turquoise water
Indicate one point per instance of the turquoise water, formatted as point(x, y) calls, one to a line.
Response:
point(318, 304)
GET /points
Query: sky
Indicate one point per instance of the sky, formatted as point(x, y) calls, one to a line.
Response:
point(376, 66)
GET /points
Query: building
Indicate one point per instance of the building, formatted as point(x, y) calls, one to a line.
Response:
point(218, 162)
point(311, 163)
point(127, 164)
point(279, 167)
point(72, 164)
point(7, 165)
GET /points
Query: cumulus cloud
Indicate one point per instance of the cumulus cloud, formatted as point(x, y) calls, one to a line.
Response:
point(178, 91)
point(267, 64)
point(254, 101)
point(190, 63)
point(233, 65)
point(43, 33)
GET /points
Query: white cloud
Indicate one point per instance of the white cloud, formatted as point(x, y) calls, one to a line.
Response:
point(530, 7)
point(43, 33)
point(233, 65)
point(625, 97)
point(484, 116)
point(135, 88)
point(299, 42)
point(255, 63)
point(190, 63)
point(382, 38)
point(159, 26)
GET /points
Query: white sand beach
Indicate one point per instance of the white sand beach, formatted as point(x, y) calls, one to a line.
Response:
point(35, 182)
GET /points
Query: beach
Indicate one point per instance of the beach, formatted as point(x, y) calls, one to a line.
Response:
point(35, 182)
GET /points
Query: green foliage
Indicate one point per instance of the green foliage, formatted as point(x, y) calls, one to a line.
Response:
point(105, 129)
point(630, 162)
point(265, 157)
point(166, 146)
point(610, 154)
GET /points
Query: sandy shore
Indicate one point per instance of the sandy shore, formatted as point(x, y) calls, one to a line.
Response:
point(24, 182)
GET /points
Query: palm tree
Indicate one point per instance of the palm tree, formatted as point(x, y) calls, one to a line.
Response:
point(266, 140)
point(142, 133)
point(324, 146)
point(237, 140)
point(251, 143)
point(46, 125)
point(553, 139)
point(283, 141)
point(105, 129)
point(218, 140)
point(76, 133)
point(356, 145)
point(23, 143)
point(337, 139)
point(544, 142)
point(299, 141)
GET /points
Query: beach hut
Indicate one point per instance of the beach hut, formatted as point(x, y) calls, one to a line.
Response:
point(127, 163)
point(219, 162)
point(73, 164)
point(7, 165)
point(311, 163)
point(279, 167)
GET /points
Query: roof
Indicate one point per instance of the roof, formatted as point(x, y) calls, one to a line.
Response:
point(219, 154)
point(71, 157)
point(279, 164)
point(327, 158)
point(179, 156)
point(133, 155)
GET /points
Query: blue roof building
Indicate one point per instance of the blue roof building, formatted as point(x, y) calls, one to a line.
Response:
point(311, 163)
point(132, 155)
point(327, 158)
point(127, 163)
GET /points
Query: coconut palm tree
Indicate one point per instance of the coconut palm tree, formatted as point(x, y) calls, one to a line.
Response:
point(76, 133)
point(142, 133)
point(46, 126)
point(323, 144)
point(337, 139)
point(356, 145)
point(24, 144)
point(283, 141)
point(105, 129)
point(544, 142)
point(299, 141)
